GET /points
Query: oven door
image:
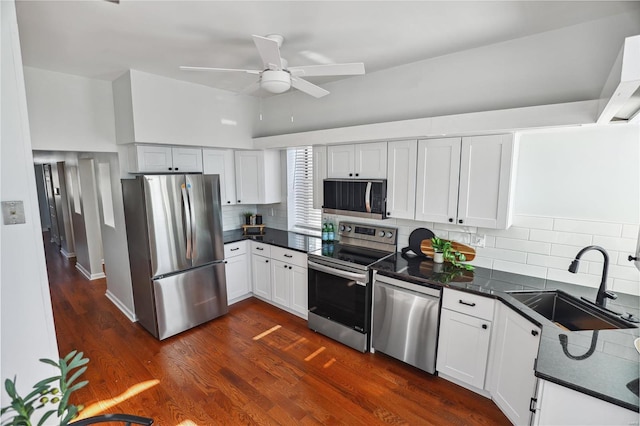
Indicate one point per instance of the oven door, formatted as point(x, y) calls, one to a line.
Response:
point(340, 296)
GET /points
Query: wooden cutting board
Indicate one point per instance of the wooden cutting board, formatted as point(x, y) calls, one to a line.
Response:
point(427, 249)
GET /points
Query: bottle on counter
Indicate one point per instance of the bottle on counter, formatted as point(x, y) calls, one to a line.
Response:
point(325, 232)
point(331, 232)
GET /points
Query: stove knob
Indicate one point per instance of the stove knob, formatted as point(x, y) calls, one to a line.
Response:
point(389, 234)
point(381, 234)
point(342, 228)
point(348, 229)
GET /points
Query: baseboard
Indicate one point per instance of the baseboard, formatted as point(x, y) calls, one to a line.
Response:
point(458, 382)
point(67, 254)
point(123, 308)
point(239, 299)
point(89, 275)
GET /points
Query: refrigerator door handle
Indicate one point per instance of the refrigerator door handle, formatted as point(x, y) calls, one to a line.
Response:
point(193, 222)
point(187, 215)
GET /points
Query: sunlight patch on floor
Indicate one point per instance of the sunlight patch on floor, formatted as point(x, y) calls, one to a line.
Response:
point(313, 355)
point(100, 406)
point(299, 341)
point(329, 363)
point(266, 333)
point(187, 423)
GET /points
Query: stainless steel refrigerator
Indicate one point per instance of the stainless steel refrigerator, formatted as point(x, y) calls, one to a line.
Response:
point(176, 252)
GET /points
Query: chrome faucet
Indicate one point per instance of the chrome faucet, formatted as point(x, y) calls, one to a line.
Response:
point(603, 294)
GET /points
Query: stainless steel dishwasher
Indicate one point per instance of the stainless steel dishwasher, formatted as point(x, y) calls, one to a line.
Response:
point(405, 321)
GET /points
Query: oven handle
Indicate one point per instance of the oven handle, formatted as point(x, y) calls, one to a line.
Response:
point(367, 198)
point(359, 278)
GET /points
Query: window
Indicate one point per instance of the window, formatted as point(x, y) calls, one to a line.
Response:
point(302, 215)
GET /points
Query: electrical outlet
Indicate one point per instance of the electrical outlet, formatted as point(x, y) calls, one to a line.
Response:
point(477, 240)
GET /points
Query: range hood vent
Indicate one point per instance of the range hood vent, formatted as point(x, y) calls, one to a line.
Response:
point(620, 98)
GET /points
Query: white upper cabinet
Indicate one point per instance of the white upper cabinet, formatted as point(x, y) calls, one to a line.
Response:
point(221, 162)
point(258, 177)
point(359, 161)
point(164, 159)
point(466, 181)
point(319, 174)
point(401, 179)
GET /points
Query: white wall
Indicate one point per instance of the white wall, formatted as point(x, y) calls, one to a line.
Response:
point(69, 113)
point(499, 76)
point(45, 218)
point(175, 112)
point(91, 265)
point(26, 319)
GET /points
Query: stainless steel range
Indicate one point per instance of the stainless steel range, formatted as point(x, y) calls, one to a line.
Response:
point(340, 282)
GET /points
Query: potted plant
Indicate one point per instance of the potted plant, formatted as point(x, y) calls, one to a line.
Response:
point(443, 251)
point(247, 217)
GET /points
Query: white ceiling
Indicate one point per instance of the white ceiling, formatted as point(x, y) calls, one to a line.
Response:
point(99, 39)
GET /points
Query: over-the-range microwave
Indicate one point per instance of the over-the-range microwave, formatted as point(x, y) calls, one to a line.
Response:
point(355, 197)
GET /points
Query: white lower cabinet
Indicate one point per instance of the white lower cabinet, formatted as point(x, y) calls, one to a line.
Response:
point(237, 274)
point(559, 405)
point(511, 380)
point(463, 343)
point(280, 276)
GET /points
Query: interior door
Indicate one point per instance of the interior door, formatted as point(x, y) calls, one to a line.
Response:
point(167, 222)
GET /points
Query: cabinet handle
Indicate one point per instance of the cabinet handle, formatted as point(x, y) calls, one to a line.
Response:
point(266, 261)
point(288, 255)
point(484, 326)
point(467, 303)
point(450, 219)
point(176, 168)
point(234, 249)
point(238, 200)
point(259, 248)
point(350, 174)
point(170, 168)
point(532, 404)
point(460, 221)
point(388, 213)
point(226, 262)
point(228, 202)
point(357, 174)
point(290, 267)
point(534, 332)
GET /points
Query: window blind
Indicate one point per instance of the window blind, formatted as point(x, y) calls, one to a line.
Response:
point(305, 215)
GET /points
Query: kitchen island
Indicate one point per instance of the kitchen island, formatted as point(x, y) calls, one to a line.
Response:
point(603, 364)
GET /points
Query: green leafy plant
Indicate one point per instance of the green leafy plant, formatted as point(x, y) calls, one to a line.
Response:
point(449, 254)
point(45, 394)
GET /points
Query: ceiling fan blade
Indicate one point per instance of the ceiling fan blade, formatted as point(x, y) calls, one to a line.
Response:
point(219, 69)
point(327, 70)
point(269, 52)
point(308, 88)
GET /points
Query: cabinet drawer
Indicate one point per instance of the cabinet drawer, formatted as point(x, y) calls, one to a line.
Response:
point(260, 249)
point(235, 249)
point(467, 303)
point(289, 256)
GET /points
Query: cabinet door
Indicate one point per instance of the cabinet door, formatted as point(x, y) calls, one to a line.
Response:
point(237, 278)
point(319, 174)
point(463, 347)
point(150, 158)
point(299, 290)
point(280, 282)
point(221, 162)
point(188, 160)
point(371, 160)
point(511, 379)
point(340, 161)
point(261, 276)
point(401, 179)
point(249, 170)
point(486, 165)
point(437, 180)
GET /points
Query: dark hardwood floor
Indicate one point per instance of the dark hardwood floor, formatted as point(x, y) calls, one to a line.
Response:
point(255, 365)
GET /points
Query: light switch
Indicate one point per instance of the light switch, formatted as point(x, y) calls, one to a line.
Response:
point(13, 212)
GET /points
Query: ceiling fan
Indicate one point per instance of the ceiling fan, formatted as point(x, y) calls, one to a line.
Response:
point(276, 77)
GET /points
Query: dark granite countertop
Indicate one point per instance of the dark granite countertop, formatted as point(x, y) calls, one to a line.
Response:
point(277, 237)
point(612, 363)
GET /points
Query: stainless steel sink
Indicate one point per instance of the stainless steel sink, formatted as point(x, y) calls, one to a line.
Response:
point(569, 312)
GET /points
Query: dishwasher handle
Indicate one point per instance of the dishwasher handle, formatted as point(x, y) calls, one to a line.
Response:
point(414, 289)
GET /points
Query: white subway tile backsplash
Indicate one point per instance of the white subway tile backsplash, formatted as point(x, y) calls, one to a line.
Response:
point(563, 250)
point(553, 261)
point(588, 227)
point(513, 232)
point(617, 244)
point(625, 286)
point(521, 245)
point(630, 231)
point(482, 262)
point(454, 228)
point(489, 241)
point(501, 254)
point(586, 280)
point(629, 273)
point(568, 238)
point(533, 222)
point(520, 268)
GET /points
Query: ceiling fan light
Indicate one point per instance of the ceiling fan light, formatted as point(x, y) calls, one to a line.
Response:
point(275, 81)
